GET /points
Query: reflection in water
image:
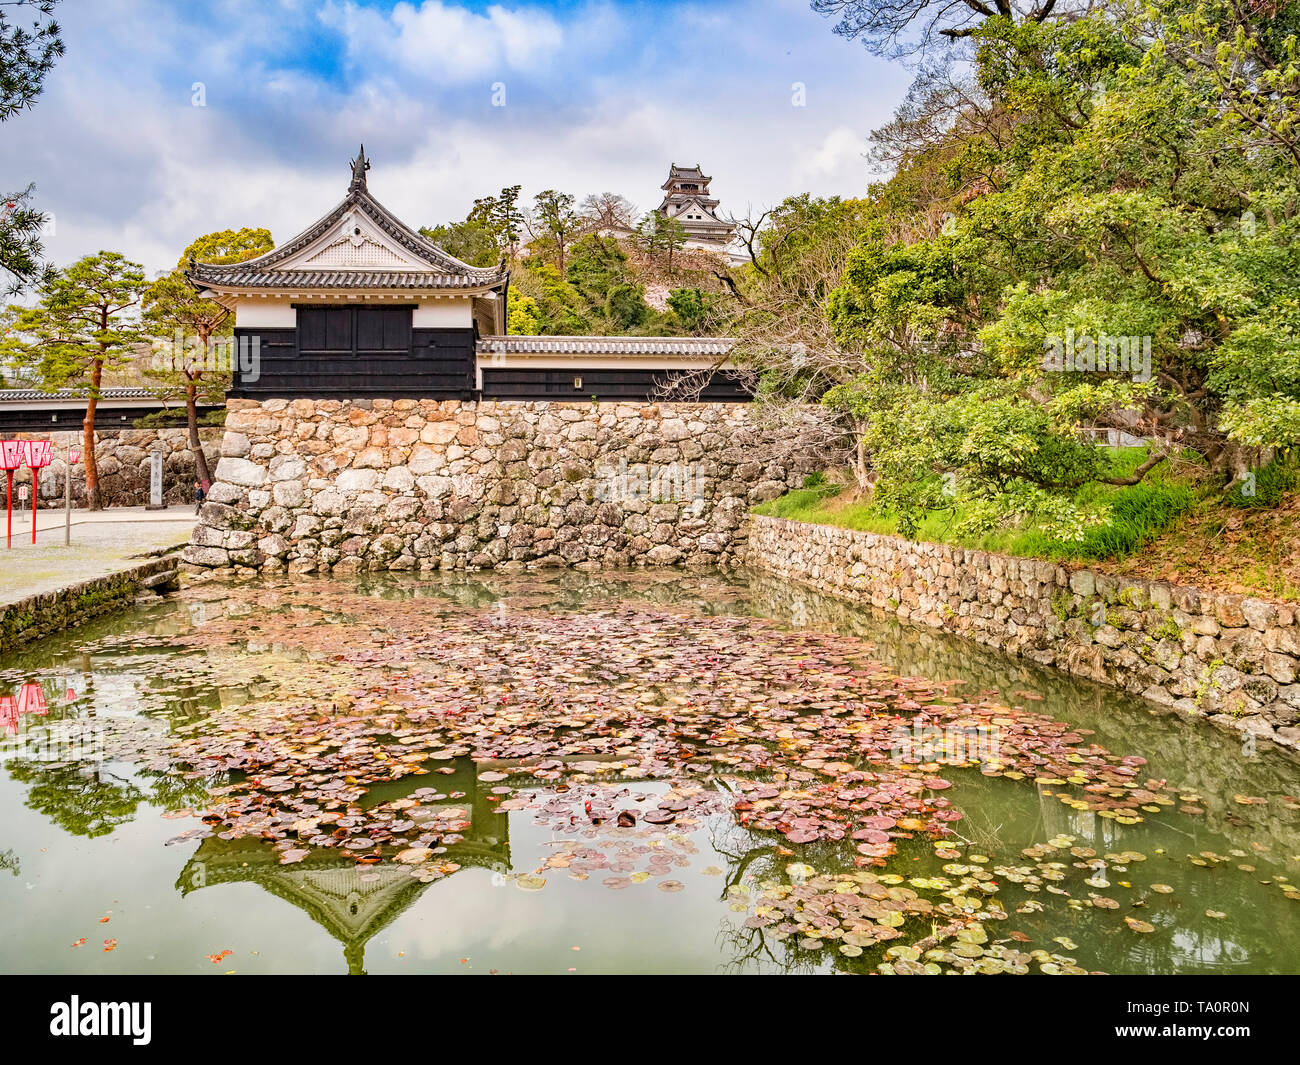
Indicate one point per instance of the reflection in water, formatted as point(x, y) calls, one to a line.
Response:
point(651, 864)
point(354, 902)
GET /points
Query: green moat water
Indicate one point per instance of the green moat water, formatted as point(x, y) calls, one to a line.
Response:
point(616, 772)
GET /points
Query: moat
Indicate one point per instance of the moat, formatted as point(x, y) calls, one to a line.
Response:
point(625, 771)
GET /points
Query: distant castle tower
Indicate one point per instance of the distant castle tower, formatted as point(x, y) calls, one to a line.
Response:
point(686, 198)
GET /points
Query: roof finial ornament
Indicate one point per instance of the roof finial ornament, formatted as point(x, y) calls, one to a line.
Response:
point(359, 167)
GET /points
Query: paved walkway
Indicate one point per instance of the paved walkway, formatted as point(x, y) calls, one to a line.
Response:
point(102, 542)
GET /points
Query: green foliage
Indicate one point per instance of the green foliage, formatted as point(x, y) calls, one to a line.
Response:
point(84, 325)
point(29, 47)
point(472, 242)
point(1265, 488)
point(185, 365)
point(801, 504)
point(598, 293)
point(523, 316)
point(596, 266)
point(21, 248)
point(502, 216)
point(1135, 515)
point(660, 236)
point(1119, 188)
point(176, 313)
point(556, 224)
point(490, 231)
point(626, 307)
point(562, 309)
point(1129, 516)
point(696, 311)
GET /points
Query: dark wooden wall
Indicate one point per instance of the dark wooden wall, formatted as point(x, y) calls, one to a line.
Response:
point(352, 351)
point(438, 364)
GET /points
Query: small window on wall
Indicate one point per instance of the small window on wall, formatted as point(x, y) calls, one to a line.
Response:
point(385, 329)
point(354, 330)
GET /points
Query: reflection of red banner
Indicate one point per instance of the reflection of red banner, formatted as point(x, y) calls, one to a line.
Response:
point(9, 713)
point(31, 700)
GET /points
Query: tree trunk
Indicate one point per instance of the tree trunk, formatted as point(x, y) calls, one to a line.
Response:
point(88, 438)
point(192, 421)
point(861, 473)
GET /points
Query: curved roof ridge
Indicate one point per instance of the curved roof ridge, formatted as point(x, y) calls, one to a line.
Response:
point(263, 269)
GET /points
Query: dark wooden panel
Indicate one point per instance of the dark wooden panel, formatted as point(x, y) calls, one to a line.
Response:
point(613, 384)
point(404, 362)
point(383, 329)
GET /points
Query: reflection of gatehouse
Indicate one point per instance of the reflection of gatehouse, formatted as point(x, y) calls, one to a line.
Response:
point(328, 885)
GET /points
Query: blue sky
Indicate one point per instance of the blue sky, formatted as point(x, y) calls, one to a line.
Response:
point(598, 96)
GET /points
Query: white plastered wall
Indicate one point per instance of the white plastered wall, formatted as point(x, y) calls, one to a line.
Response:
point(277, 312)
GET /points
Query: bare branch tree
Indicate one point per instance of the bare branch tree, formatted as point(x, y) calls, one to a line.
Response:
point(897, 29)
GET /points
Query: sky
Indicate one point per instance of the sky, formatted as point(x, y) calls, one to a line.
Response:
point(167, 119)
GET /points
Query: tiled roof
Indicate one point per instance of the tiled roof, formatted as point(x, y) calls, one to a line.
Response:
point(445, 271)
point(246, 275)
point(28, 395)
point(685, 173)
point(568, 345)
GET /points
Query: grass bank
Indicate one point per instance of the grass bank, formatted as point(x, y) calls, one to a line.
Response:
point(1172, 526)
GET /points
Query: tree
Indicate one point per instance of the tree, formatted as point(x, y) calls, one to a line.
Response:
point(607, 210)
point(83, 326)
point(897, 28)
point(658, 234)
point(523, 316)
point(786, 346)
point(21, 247)
point(554, 222)
point(189, 323)
point(1098, 228)
point(503, 218)
point(28, 51)
point(695, 309)
point(469, 241)
point(598, 293)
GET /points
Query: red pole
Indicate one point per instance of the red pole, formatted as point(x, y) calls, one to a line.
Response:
point(33, 507)
point(9, 496)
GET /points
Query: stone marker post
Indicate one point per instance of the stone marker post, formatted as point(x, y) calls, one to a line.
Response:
point(156, 481)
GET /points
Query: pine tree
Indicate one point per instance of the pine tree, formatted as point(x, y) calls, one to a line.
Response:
point(85, 324)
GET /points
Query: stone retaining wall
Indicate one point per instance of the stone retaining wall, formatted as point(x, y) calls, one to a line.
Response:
point(123, 457)
point(41, 615)
point(1231, 658)
point(346, 485)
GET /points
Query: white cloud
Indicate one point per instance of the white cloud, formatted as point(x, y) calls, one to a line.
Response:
point(602, 97)
point(840, 154)
point(445, 44)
